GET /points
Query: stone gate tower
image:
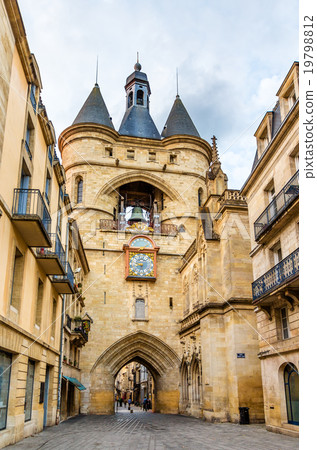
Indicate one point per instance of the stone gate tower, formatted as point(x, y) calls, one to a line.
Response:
point(156, 221)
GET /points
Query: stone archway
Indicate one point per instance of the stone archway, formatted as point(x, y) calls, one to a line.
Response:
point(137, 175)
point(147, 349)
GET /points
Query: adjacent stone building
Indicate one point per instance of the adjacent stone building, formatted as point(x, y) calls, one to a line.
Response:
point(36, 260)
point(272, 192)
point(168, 250)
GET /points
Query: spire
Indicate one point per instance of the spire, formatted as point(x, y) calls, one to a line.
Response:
point(94, 110)
point(215, 155)
point(179, 121)
point(137, 120)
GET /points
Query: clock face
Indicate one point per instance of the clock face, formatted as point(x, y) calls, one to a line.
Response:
point(141, 242)
point(141, 265)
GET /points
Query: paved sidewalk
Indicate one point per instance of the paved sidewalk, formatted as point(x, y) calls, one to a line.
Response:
point(147, 431)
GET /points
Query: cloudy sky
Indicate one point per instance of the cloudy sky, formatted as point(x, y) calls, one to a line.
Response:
point(231, 55)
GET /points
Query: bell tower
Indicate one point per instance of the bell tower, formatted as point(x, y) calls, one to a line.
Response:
point(137, 120)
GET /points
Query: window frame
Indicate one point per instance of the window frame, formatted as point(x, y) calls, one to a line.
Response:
point(7, 369)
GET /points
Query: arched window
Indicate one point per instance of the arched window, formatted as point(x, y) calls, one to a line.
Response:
point(291, 383)
point(130, 99)
point(139, 97)
point(140, 308)
point(200, 193)
point(80, 187)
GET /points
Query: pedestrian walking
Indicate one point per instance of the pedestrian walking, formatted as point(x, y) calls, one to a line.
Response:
point(129, 403)
point(145, 404)
point(120, 401)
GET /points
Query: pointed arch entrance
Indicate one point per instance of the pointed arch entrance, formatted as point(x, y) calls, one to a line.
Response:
point(152, 352)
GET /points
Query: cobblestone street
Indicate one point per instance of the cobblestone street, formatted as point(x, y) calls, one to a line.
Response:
point(145, 430)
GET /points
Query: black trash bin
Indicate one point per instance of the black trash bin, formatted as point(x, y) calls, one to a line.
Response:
point(244, 416)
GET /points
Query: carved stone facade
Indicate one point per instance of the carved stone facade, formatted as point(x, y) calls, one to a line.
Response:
point(197, 315)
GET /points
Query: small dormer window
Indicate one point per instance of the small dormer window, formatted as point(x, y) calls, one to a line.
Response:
point(130, 99)
point(140, 97)
point(263, 141)
point(291, 99)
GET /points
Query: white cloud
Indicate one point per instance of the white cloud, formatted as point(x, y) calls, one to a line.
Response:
point(231, 58)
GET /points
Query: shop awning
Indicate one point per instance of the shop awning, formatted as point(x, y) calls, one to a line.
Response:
point(75, 382)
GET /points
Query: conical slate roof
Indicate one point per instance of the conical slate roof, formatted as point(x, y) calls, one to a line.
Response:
point(179, 121)
point(94, 110)
point(138, 122)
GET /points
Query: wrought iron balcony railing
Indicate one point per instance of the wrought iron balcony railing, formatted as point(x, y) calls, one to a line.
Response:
point(29, 203)
point(68, 277)
point(56, 249)
point(280, 203)
point(113, 225)
point(77, 327)
point(284, 270)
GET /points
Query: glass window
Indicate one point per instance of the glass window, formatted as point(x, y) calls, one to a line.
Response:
point(29, 391)
point(284, 321)
point(5, 372)
point(17, 279)
point(39, 303)
point(139, 308)
point(291, 381)
point(48, 188)
point(53, 326)
point(80, 186)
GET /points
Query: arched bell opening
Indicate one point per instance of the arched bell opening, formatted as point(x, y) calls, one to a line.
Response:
point(140, 202)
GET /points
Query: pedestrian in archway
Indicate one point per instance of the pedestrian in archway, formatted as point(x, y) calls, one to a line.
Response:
point(145, 404)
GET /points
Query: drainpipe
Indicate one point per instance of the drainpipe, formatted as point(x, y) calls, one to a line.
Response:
point(59, 388)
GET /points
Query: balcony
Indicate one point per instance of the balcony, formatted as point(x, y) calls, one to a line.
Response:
point(78, 335)
point(281, 275)
point(31, 217)
point(64, 284)
point(283, 200)
point(168, 229)
point(52, 259)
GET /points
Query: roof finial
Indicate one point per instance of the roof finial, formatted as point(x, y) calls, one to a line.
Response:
point(137, 66)
point(97, 72)
point(177, 95)
point(215, 156)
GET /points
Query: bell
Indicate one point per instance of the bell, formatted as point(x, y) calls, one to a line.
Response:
point(137, 215)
